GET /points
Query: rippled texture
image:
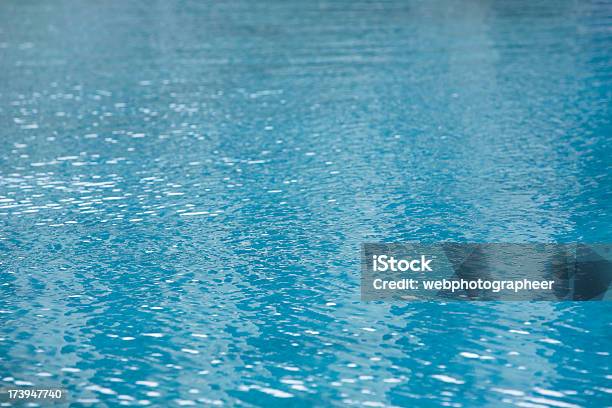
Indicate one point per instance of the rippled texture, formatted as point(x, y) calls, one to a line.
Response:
point(184, 187)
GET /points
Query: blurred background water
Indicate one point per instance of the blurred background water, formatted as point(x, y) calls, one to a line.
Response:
point(184, 187)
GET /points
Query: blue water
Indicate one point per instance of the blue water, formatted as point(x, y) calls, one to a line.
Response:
point(184, 188)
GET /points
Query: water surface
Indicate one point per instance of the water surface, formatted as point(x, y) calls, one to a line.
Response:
point(184, 187)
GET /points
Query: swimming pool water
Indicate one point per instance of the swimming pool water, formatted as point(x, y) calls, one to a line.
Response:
point(184, 188)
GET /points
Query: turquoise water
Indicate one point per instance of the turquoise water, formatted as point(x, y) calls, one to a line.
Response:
point(184, 188)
